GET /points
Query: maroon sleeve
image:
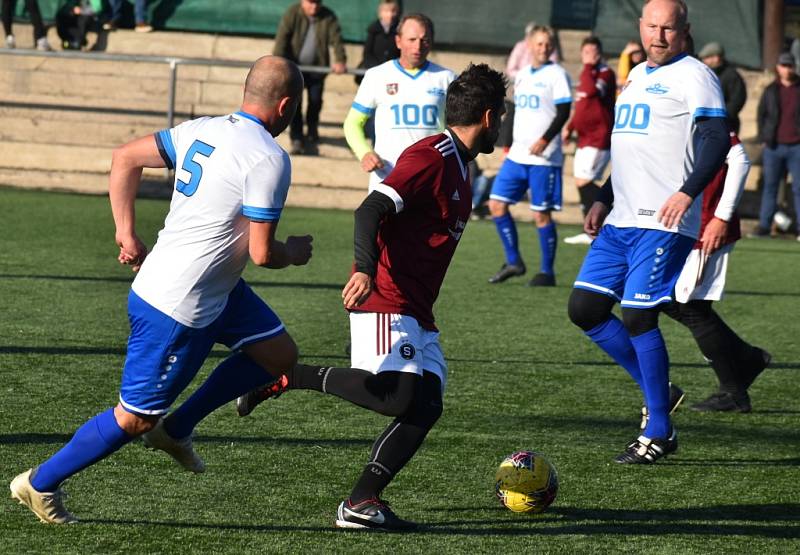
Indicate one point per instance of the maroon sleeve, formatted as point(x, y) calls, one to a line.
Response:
point(416, 170)
point(587, 82)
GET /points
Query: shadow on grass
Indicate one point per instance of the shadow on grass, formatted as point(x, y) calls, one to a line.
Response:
point(566, 521)
point(763, 293)
point(129, 279)
point(59, 439)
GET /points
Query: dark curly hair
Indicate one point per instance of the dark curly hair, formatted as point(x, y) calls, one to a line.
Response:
point(477, 89)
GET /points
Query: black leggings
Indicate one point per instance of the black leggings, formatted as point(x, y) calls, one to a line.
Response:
point(33, 11)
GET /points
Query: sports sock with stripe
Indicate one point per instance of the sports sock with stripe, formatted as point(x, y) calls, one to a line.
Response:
point(507, 230)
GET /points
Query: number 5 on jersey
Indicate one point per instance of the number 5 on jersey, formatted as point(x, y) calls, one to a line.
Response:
point(193, 167)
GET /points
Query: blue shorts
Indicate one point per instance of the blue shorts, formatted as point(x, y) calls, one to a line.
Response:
point(164, 355)
point(638, 267)
point(543, 182)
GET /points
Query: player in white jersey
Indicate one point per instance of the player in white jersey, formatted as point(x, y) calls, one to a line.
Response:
point(231, 182)
point(406, 97)
point(542, 100)
point(669, 140)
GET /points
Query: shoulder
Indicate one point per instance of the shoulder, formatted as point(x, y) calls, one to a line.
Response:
point(436, 68)
point(430, 151)
point(326, 13)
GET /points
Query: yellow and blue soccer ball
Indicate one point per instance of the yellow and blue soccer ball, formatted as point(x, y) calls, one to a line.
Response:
point(526, 482)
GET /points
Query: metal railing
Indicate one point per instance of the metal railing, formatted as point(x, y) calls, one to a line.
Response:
point(172, 61)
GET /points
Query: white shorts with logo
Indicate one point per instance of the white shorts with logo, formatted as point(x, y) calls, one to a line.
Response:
point(381, 342)
point(703, 278)
point(590, 163)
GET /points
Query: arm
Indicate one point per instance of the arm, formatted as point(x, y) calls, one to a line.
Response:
point(599, 210)
point(562, 115)
point(713, 146)
point(737, 95)
point(335, 41)
point(283, 36)
point(368, 217)
point(717, 229)
point(268, 252)
point(368, 57)
point(127, 163)
point(357, 140)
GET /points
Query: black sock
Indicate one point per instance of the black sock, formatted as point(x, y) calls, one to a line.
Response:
point(588, 194)
point(400, 441)
point(387, 393)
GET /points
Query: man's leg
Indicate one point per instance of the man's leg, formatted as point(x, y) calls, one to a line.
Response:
point(508, 187)
point(793, 162)
point(315, 90)
point(296, 126)
point(548, 241)
point(544, 183)
point(773, 168)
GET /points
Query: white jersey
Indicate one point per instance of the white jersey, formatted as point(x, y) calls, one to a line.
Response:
point(652, 142)
point(229, 171)
point(536, 94)
point(407, 108)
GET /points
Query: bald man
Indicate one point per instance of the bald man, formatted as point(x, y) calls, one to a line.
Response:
point(230, 186)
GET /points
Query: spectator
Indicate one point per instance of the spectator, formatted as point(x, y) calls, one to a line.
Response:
point(39, 33)
point(306, 31)
point(631, 56)
point(779, 131)
point(139, 11)
point(380, 47)
point(733, 87)
point(74, 19)
point(592, 121)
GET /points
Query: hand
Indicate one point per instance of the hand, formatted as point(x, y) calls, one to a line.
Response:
point(339, 68)
point(565, 136)
point(132, 251)
point(371, 162)
point(594, 219)
point(673, 210)
point(538, 147)
point(298, 249)
point(714, 235)
point(357, 290)
point(632, 46)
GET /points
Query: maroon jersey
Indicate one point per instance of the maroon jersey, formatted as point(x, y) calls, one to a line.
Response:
point(433, 197)
point(711, 196)
point(594, 107)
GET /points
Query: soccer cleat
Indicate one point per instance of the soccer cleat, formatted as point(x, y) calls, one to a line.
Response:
point(372, 514)
point(179, 449)
point(763, 360)
point(579, 239)
point(645, 450)
point(48, 506)
point(724, 401)
point(676, 396)
point(245, 404)
point(507, 271)
point(542, 280)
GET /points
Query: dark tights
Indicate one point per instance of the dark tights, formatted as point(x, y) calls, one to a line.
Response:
point(33, 12)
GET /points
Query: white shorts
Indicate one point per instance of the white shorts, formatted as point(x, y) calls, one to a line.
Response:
point(590, 163)
point(703, 278)
point(381, 342)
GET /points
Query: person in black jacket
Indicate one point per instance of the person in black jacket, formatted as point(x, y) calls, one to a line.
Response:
point(733, 87)
point(380, 46)
point(779, 131)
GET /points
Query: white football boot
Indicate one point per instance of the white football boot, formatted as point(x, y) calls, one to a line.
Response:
point(179, 449)
point(48, 506)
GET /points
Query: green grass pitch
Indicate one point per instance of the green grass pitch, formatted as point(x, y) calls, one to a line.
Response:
point(521, 377)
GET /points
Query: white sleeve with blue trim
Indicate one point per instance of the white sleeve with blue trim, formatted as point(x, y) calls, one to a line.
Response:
point(266, 187)
point(703, 94)
point(366, 98)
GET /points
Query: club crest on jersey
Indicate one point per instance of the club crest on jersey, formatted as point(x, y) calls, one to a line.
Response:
point(407, 351)
point(391, 88)
point(658, 88)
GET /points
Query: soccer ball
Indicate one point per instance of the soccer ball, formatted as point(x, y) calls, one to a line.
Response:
point(526, 482)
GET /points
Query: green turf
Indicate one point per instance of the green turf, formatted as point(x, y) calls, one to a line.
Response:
point(521, 376)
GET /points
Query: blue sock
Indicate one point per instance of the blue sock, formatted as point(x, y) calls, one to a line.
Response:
point(235, 376)
point(613, 338)
point(93, 441)
point(654, 363)
point(548, 239)
point(507, 230)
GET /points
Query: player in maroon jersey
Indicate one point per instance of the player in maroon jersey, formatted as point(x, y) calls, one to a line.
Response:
point(406, 232)
point(735, 362)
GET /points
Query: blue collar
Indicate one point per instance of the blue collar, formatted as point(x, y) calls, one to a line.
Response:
point(535, 69)
point(251, 117)
point(677, 58)
point(420, 72)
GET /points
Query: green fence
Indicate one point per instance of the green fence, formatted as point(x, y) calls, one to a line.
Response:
point(488, 24)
